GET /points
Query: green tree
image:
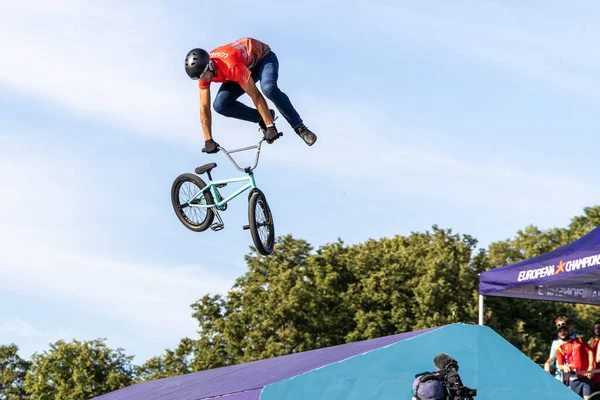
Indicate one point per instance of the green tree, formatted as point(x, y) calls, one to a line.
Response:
point(269, 311)
point(287, 302)
point(298, 299)
point(172, 363)
point(295, 300)
point(413, 282)
point(77, 371)
point(12, 373)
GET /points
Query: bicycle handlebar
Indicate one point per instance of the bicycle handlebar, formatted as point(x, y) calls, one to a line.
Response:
point(247, 169)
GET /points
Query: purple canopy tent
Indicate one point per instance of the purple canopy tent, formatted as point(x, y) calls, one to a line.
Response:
point(570, 274)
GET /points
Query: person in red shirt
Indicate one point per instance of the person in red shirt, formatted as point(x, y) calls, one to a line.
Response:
point(595, 342)
point(238, 66)
point(574, 354)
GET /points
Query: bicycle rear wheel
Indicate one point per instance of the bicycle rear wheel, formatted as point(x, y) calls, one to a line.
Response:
point(261, 223)
point(184, 188)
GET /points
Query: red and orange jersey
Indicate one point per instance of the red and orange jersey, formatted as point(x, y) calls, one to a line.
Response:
point(574, 353)
point(596, 377)
point(234, 60)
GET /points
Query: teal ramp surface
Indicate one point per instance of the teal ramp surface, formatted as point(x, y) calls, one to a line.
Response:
point(487, 362)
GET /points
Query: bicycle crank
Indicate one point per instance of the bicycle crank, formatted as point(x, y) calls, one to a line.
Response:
point(217, 226)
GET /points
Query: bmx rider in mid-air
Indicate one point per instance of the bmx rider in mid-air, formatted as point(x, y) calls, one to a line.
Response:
point(239, 65)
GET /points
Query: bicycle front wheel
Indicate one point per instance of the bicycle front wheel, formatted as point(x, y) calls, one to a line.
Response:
point(184, 189)
point(261, 223)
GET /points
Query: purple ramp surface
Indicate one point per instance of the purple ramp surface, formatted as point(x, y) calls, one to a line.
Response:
point(570, 273)
point(245, 381)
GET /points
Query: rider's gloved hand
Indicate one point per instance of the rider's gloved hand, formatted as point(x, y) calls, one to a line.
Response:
point(271, 134)
point(210, 146)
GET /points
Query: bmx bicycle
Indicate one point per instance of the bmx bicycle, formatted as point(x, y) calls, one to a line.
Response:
point(194, 201)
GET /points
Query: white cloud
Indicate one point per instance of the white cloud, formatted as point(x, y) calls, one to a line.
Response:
point(42, 219)
point(112, 61)
point(105, 60)
point(20, 328)
point(557, 50)
point(131, 74)
point(151, 297)
point(354, 155)
point(93, 71)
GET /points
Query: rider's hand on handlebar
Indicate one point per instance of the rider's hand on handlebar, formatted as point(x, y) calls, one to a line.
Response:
point(210, 146)
point(271, 134)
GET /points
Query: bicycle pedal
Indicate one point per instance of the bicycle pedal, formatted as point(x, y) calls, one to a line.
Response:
point(220, 185)
point(217, 227)
point(246, 227)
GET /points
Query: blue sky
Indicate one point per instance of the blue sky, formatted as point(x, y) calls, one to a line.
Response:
point(476, 116)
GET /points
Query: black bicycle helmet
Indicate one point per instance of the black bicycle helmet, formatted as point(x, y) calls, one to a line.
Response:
point(196, 62)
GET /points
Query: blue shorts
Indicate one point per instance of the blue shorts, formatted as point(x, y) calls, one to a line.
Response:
point(581, 386)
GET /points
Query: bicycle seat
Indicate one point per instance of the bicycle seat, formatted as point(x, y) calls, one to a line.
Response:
point(205, 168)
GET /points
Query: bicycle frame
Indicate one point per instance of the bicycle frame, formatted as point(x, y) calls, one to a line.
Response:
point(212, 187)
point(213, 184)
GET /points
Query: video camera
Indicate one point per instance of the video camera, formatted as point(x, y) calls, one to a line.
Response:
point(447, 374)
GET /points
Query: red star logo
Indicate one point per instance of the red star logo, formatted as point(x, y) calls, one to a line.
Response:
point(561, 267)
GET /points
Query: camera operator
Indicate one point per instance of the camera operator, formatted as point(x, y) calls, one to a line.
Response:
point(443, 384)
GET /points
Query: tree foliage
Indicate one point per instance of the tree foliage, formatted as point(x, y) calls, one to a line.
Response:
point(77, 371)
point(13, 370)
point(172, 363)
point(300, 298)
point(296, 300)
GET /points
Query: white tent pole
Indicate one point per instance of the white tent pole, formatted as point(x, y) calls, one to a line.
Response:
point(480, 310)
